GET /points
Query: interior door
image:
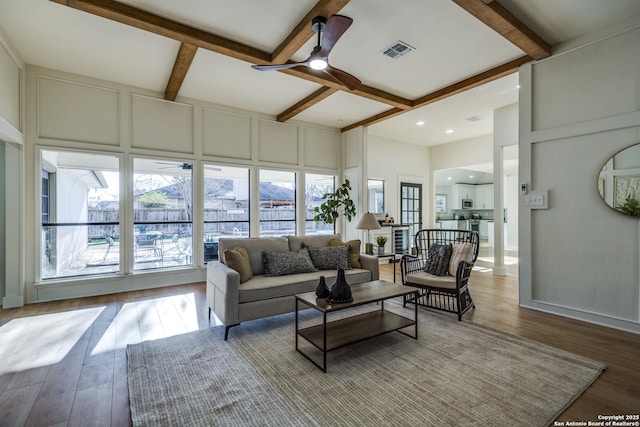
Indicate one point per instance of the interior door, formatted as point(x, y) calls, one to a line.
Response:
point(411, 206)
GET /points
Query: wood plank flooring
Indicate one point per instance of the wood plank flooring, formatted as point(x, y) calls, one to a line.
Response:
point(64, 364)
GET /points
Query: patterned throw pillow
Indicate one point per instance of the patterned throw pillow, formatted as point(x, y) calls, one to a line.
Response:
point(437, 262)
point(330, 257)
point(460, 252)
point(283, 263)
point(354, 252)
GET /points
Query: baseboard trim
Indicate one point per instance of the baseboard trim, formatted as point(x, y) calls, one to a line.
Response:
point(12, 301)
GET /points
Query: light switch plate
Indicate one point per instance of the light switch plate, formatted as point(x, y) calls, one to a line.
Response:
point(537, 200)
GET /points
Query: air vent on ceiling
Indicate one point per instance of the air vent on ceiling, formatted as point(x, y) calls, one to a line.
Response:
point(474, 118)
point(397, 50)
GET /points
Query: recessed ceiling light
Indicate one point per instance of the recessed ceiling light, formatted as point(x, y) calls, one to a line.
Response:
point(449, 178)
point(470, 176)
point(518, 86)
point(449, 131)
point(420, 122)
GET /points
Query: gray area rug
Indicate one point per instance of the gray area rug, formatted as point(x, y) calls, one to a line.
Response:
point(456, 373)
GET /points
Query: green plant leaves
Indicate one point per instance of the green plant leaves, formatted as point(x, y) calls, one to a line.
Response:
point(337, 203)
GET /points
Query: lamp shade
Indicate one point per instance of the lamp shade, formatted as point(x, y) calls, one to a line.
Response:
point(368, 221)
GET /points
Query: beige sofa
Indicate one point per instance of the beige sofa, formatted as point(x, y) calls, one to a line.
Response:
point(263, 296)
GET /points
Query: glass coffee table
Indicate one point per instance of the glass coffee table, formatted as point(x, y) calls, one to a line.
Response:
point(328, 336)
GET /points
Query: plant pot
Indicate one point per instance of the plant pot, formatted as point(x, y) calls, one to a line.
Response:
point(381, 251)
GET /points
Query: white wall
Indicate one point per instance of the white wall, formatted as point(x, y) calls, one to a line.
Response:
point(396, 162)
point(578, 108)
point(76, 112)
point(11, 138)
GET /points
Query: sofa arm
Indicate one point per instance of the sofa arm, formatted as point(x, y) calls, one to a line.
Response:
point(223, 292)
point(370, 262)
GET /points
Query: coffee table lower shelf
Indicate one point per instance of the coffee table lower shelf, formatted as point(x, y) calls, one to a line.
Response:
point(355, 328)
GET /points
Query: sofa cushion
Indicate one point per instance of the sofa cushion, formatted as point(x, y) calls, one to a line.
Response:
point(437, 262)
point(238, 259)
point(354, 252)
point(284, 263)
point(254, 246)
point(295, 242)
point(266, 287)
point(426, 279)
point(329, 257)
point(460, 252)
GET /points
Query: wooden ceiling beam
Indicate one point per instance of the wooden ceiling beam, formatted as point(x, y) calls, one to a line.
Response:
point(362, 90)
point(375, 119)
point(471, 82)
point(180, 68)
point(307, 102)
point(495, 16)
point(453, 89)
point(303, 32)
point(137, 18)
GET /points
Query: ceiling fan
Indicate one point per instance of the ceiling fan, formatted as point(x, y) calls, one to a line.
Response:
point(329, 31)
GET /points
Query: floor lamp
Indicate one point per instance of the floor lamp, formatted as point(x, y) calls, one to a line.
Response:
point(368, 222)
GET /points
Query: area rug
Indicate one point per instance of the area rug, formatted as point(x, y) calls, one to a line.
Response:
point(456, 373)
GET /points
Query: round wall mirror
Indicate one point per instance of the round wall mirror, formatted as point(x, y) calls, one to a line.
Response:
point(619, 181)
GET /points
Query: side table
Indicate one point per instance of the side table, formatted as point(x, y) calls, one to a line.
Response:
point(392, 259)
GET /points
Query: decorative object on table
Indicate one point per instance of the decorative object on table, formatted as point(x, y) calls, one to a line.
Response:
point(336, 203)
point(340, 290)
point(381, 240)
point(368, 222)
point(322, 290)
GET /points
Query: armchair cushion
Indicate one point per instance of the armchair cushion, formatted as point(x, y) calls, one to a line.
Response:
point(437, 262)
point(283, 263)
point(238, 259)
point(354, 251)
point(426, 279)
point(461, 252)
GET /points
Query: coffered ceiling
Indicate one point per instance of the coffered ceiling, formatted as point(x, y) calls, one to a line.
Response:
point(464, 65)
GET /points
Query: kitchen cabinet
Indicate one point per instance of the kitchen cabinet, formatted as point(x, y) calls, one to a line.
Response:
point(462, 191)
point(483, 229)
point(454, 224)
point(484, 197)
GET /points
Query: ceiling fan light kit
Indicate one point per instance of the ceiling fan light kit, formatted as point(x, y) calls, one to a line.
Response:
point(329, 31)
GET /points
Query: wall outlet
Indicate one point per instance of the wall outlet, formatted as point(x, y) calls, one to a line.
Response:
point(537, 200)
point(181, 276)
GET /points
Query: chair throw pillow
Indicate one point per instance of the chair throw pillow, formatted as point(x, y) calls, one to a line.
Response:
point(329, 257)
point(437, 262)
point(461, 252)
point(238, 259)
point(283, 263)
point(354, 252)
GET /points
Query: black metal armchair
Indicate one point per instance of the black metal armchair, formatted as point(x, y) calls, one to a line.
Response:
point(448, 292)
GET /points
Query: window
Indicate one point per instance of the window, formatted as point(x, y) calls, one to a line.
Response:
point(80, 214)
point(441, 203)
point(277, 195)
point(162, 213)
point(316, 186)
point(375, 189)
point(226, 206)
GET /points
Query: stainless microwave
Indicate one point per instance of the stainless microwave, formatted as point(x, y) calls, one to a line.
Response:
point(467, 204)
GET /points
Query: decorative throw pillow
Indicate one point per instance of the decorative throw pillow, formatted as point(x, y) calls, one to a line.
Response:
point(354, 252)
point(461, 252)
point(238, 259)
point(283, 263)
point(329, 257)
point(437, 262)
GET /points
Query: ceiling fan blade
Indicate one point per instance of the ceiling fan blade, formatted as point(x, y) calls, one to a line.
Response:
point(275, 67)
point(334, 29)
point(343, 77)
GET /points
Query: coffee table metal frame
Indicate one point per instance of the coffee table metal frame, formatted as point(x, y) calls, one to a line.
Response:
point(332, 335)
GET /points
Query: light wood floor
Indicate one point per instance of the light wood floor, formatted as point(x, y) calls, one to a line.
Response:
point(64, 364)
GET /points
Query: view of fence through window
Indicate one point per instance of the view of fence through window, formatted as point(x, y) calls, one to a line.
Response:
point(162, 213)
point(226, 206)
point(81, 231)
point(80, 205)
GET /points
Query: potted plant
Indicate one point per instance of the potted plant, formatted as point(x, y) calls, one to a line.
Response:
point(336, 203)
point(381, 240)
